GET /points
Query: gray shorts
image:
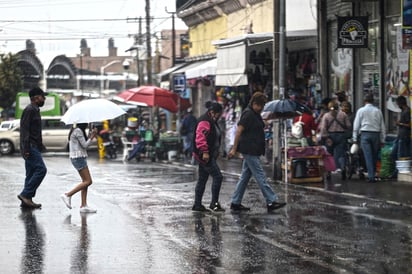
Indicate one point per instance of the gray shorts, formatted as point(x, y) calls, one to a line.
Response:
point(79, 163)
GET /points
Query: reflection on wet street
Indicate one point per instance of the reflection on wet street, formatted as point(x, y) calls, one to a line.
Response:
point(145, 224)
point(207, 256)
point(79, 258)
point(33, 252)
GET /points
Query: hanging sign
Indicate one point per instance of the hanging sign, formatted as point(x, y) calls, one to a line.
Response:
point(179, 83)
point(352, 32)
point(407, 14)
point(406, 39)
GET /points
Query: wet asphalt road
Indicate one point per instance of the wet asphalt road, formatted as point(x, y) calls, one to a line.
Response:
point(144, 225)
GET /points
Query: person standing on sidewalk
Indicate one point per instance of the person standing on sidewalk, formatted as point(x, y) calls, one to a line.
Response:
point(402, 145)
point(250, 141)
point(369, 124)
point(187, 131)
point(334, 124)
point(206, 142)
point(31, 146)
point(78, 143)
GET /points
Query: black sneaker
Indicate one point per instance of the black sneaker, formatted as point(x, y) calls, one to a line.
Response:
point(200, 208)
point(216, 207)
point(239, 207)
point(275, 205)
point(343, 175)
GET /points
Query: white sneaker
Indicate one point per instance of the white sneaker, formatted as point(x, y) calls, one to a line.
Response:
point(66, 200)
point(87, 209)
point(337, 171)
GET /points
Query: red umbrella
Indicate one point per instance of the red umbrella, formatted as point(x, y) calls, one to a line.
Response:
point(154, 96)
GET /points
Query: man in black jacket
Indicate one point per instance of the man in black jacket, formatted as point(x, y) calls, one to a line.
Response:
point(250, 141)
point(31, 146)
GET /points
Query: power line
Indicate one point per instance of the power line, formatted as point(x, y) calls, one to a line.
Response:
point(81, 20)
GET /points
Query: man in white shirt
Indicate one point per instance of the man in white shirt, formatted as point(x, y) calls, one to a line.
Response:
point(369, 124)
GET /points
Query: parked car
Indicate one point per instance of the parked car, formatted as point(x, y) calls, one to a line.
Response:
point(55, 136)
point(7, 125)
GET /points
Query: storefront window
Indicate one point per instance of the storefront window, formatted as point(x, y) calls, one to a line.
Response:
point(369, 80)
point(395, 66)
point(341, 66)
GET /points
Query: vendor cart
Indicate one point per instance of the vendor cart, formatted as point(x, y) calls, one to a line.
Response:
point(166, 143)
point(307, 164)
point(150, 143)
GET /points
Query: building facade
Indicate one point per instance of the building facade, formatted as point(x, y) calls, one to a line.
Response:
point(239, 34)
point(382, 67)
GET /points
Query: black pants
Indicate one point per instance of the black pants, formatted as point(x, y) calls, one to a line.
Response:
point(211, 168)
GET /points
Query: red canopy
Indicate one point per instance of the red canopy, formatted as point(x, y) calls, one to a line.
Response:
point(154, 96)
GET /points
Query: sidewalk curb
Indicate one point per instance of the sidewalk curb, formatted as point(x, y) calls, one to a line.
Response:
point(344, 194)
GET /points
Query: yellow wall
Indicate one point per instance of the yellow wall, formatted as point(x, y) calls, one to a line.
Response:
point(261, 16)
point(232, 25)
point(202, 36)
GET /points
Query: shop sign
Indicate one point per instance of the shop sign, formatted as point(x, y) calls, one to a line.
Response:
point(407, 14)
point(407, 38)
point(352, 32)
point(179, 83)
point(410, 72)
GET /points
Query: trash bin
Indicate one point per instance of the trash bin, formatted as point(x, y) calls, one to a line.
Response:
point(172, 155)
point(299, 168)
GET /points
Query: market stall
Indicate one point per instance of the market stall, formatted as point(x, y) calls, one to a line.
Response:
point(168, 146)
point(308, 164)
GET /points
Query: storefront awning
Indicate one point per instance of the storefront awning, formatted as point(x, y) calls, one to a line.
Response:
point(188, 67)
point(164, 75)
point(231, 71)
point(201, 70)
point(239, 55)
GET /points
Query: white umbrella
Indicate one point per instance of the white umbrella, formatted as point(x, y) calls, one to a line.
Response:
point(92, 110)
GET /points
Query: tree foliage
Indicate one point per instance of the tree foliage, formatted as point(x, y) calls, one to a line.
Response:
point(11, 79)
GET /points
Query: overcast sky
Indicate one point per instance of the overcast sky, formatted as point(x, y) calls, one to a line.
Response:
point(52, 37)
point(56, 28)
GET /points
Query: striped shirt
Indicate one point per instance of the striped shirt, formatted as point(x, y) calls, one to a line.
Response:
point(330, 124)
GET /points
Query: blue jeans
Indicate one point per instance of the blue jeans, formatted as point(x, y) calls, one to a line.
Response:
point(211, 168)
point(35, 172)
point(339, 149)
point(251, 166)
point(370, 144)
point(401, 148)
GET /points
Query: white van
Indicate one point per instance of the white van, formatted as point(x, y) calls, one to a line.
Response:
point(7, 125)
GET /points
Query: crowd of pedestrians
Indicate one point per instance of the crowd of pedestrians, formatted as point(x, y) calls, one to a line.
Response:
point(334, 125)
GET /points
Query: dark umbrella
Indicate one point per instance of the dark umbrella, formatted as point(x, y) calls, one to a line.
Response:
point(283, 109)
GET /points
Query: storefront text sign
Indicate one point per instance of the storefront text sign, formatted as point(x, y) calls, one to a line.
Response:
point(352, 32)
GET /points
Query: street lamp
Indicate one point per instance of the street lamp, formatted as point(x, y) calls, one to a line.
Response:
point(102, 73)
point(137, 48)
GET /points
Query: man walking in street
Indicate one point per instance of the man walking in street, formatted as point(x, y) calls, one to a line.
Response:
point(369, 124)
point(250, 141)
point(31, 146)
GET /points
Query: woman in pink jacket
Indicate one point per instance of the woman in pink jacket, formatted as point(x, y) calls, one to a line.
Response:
point(206, 141)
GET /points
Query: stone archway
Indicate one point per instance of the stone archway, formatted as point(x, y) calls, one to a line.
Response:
point(61, 74)
point(31, 67)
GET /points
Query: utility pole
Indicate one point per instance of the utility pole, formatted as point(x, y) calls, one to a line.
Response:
point(276, 145)
point(139, 43)
point(173, 37)
point(148, 44)
point(279, 60)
